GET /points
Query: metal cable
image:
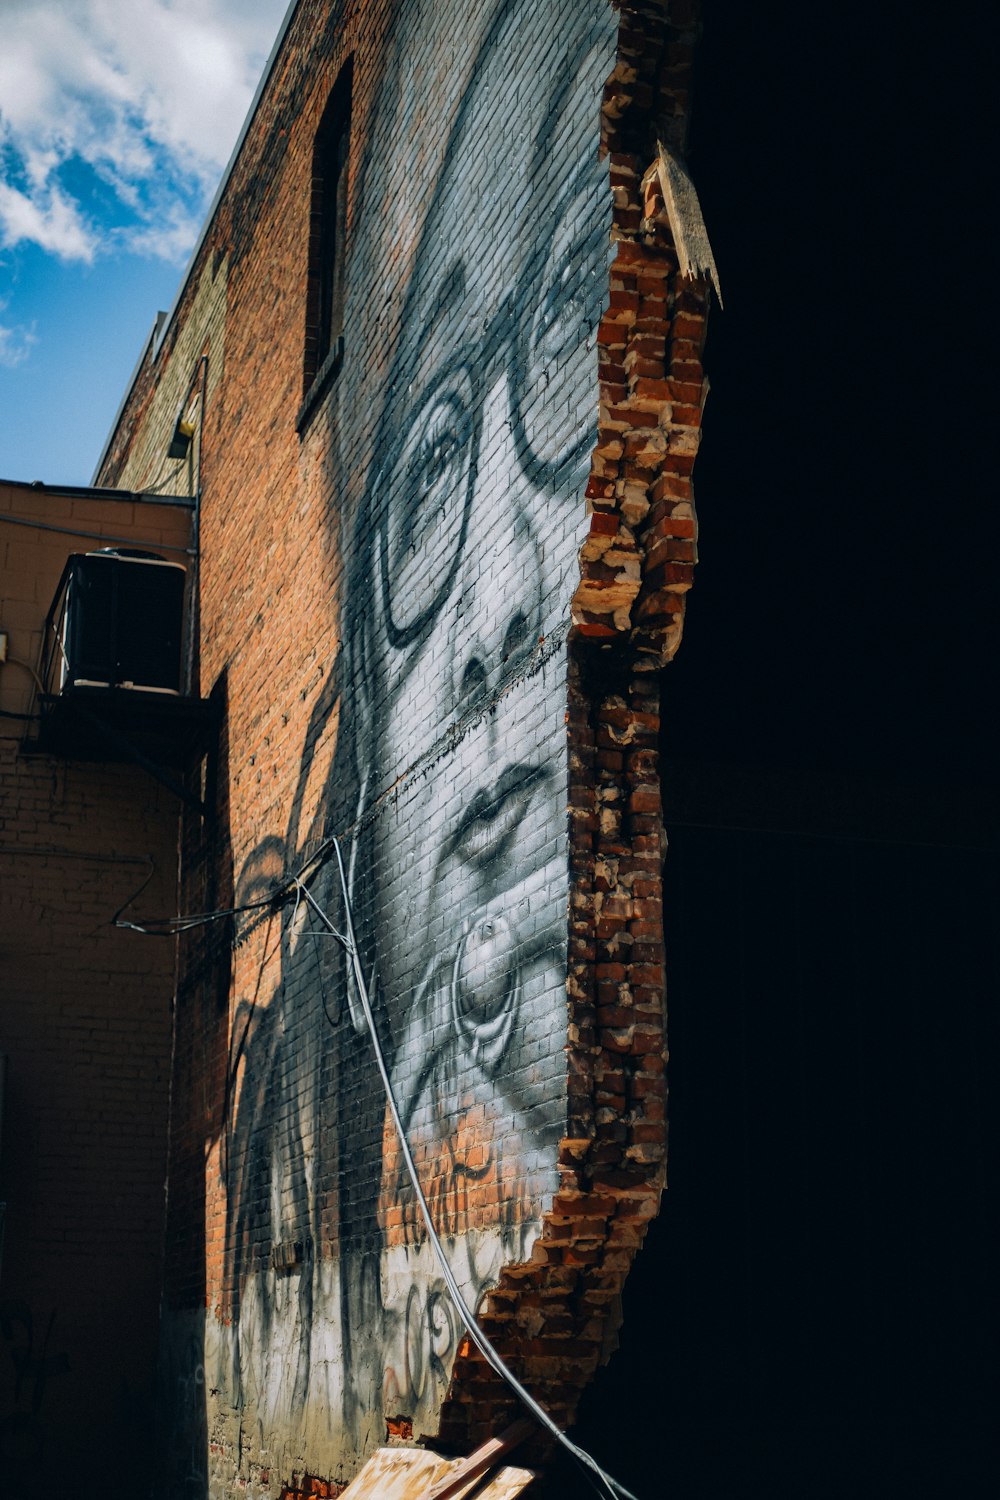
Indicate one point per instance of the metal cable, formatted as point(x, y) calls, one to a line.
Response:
point(94, 536)
point(601, 1480)
point(605, 1483)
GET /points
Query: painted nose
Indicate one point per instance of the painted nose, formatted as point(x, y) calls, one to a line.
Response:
point(499, 614)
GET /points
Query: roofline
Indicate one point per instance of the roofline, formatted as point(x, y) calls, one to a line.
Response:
point(150, 338)
point(164, 320)
point(97, 492)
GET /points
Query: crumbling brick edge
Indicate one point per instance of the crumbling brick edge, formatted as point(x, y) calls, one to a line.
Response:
point(555, 1319)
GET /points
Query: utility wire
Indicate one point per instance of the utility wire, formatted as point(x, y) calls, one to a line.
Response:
point(155, 489)
point(602, 1481)
point(17, 661)
point(94, 536)
point(605, 1483)
point(171, 926)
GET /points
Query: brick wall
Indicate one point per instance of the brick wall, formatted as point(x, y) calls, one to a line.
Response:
point(389, 578)
point(85, 1025)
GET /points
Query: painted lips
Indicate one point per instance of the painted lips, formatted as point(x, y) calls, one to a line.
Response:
point(492, 818)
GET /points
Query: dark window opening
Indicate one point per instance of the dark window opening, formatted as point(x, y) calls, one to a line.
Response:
point(327, 243)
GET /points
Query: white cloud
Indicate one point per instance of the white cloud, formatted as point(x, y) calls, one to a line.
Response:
point(149, 95)
point(15, 343)
point(170, 237)
point(48, 219)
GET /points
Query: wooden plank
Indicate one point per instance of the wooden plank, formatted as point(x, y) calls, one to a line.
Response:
point(687, 225)
point(483, 1458)
point(414, 1473)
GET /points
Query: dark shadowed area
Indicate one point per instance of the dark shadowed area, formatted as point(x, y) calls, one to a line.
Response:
point(815, 1310)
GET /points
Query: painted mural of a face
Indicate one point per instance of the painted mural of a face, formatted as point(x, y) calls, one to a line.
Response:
point(484, 452)
point(451, 759)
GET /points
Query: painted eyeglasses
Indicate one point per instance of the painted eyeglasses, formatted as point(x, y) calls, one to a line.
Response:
point(541, 336)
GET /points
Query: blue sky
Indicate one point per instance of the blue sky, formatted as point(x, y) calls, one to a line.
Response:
point(117, 118)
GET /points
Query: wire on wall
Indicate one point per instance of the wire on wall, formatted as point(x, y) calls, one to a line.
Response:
point(603, 1482)
point(93, 536)
point(171, 926)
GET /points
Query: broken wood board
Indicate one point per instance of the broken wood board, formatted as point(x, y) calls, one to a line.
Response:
point(414, 1473)
point(687, 225)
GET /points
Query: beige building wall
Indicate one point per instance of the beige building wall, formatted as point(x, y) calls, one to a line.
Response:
point(85, 1014)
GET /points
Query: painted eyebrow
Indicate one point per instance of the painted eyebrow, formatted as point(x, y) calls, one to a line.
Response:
point(452, 290)
point(559, 98)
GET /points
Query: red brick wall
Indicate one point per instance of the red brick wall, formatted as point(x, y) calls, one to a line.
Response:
point(85, 1024)
point(387, 586)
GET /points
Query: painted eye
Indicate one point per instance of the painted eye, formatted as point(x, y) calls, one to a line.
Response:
point(427, 494)
point(560, 357)
point(437, 467)
point(563, 321)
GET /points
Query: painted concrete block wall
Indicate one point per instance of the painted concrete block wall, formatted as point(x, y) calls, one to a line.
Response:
point(389, 581)
point(85, 1025)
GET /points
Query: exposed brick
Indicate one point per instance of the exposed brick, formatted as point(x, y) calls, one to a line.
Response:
point(330, 729)
point(85, 1029)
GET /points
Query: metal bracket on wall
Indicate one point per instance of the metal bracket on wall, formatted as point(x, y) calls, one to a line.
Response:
point(127, 750)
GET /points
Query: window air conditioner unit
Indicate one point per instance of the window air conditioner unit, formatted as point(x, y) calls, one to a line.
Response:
point(122, 622)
